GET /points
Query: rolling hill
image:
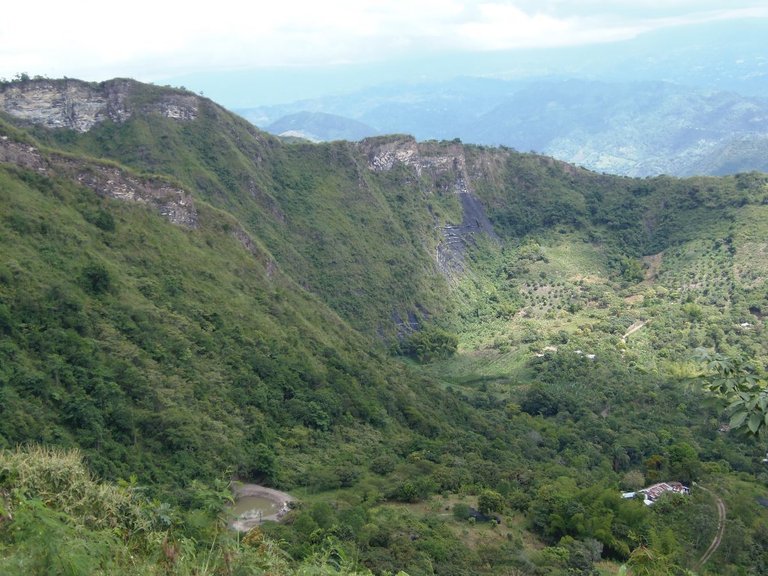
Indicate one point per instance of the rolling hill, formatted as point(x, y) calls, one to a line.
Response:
point(320, 127)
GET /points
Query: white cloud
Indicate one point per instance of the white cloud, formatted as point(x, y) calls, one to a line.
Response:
point(502, 26)
point(147, 39)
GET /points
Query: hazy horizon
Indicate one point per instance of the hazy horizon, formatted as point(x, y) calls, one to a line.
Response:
point(245, 56)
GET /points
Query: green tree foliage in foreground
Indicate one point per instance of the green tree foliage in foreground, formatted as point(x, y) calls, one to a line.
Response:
point(739, 383)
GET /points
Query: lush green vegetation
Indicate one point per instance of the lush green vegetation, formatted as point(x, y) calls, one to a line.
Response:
point(56, 519)
point(552, 371)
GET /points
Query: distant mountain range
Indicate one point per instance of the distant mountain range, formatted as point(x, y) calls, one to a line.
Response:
point(320, 127)
point(681, 100)
point(628, 128)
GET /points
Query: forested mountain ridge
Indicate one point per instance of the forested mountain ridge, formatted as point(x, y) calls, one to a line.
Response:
point(254, 335)
point(633, 128)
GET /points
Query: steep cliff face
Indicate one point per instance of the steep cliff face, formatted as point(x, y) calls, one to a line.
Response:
point(81, 105)
point(63, 104)
point(445, 166)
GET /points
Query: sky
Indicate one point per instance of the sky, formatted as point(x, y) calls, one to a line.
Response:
point(156, 40)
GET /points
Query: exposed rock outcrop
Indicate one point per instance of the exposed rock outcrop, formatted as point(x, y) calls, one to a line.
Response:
point(106, 180)
point(79, 106)
point(385, 153)
point(171, 202)
point(443, 162)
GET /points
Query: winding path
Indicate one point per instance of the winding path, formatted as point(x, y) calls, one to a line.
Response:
point(720, 531)
point(634, 328)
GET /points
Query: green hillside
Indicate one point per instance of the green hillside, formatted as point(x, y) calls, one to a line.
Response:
point(392, 331)
point(318, 209)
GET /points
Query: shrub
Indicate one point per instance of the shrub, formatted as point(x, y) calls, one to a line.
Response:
point(461, 511)
point(96, 279)
point(431, 344)
point(490, 501)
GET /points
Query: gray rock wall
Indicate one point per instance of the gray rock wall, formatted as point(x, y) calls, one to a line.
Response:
point(77, 105)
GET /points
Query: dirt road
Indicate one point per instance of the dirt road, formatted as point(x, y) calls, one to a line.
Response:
point(720, 531)
point(634, 328)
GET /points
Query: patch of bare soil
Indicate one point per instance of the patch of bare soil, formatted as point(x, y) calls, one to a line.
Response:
point(245, 522)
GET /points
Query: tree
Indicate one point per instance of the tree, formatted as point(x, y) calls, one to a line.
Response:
point(431, 343)
point(490, 501)
point(96, 278)
point(461, 511)
point(539, 401)
point(684, 464)
point(633, 480)
point(263, 465)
